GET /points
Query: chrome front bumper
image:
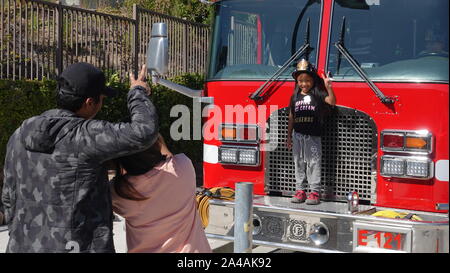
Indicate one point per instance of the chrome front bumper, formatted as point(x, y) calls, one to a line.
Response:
point(279, 223)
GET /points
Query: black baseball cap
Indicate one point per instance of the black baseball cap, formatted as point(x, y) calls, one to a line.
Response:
point(84, 80)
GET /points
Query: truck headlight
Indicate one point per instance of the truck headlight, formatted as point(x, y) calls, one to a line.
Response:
point(248, 157)
point(228, 155)
point(406, 167)
point(239, 155)
point(392, 166)
point(418, 168)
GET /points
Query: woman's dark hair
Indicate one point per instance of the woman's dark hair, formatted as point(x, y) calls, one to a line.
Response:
point(68, 101)
point(135, 164)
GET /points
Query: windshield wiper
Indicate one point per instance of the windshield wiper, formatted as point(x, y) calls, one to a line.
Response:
point(305, 49)
point(344, 52)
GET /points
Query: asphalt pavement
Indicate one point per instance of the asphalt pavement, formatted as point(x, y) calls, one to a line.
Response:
point(218, 246)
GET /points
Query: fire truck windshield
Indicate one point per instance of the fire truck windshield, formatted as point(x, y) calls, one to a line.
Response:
point(252, 39)
point(393, 40)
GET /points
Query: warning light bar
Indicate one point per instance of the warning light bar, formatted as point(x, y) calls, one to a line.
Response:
point(403, 141)
point(243, 133)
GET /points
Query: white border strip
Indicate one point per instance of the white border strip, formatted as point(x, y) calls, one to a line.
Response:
point(210, 154)
point(441, 170)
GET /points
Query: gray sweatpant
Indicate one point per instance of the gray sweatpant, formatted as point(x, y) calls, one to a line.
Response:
point(307, 152)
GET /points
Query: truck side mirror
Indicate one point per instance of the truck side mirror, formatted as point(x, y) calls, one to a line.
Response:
point(157, 50)
point(158, 60)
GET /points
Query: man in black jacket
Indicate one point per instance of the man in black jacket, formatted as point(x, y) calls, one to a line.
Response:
point(56, 193)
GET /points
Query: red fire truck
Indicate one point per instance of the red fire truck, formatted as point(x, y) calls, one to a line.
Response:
point(385, 143)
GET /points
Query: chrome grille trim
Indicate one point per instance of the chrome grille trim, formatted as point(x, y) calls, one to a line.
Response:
point(349, 156)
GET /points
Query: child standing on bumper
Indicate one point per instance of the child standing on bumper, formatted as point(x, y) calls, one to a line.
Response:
point(305, 129)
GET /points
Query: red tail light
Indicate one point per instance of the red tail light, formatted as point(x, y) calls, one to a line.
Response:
point(393, 141)
point(407, 141)
point(249, 133)
point(239, 133)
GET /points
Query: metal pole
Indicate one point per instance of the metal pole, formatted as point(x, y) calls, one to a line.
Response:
point(185, 48)
point(243, 214)
point(60, 52)
point(136, 40)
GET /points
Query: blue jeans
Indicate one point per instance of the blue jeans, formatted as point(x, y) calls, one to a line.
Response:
point(307, 153)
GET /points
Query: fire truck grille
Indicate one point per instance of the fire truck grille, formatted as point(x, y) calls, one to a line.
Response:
point(349, 148)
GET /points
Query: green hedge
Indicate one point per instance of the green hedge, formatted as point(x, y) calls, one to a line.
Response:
point(20, 100)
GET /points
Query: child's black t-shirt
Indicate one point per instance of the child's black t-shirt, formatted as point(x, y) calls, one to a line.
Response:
point(307, 111)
